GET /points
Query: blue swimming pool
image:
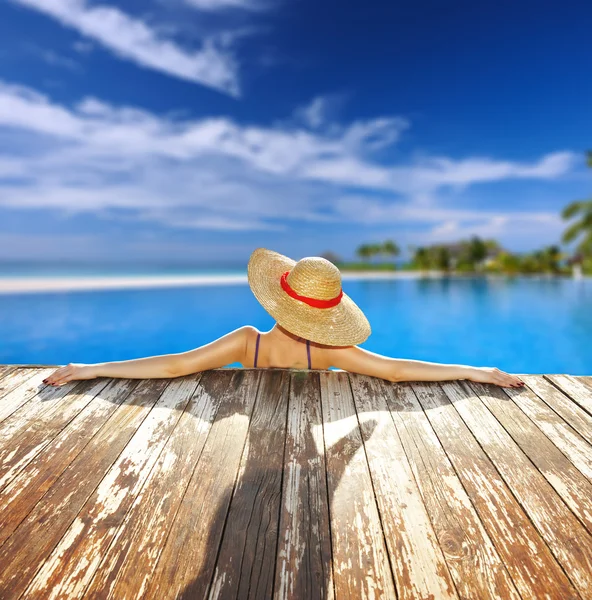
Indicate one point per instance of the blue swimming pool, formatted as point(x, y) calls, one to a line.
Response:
point(519, 325)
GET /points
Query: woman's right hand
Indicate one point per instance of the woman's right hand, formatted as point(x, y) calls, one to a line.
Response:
point(495, 376)
point(70, 372)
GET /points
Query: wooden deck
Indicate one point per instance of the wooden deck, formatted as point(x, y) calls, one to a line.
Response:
point(247, 483)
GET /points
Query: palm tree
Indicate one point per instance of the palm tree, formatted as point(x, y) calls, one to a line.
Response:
point(364, 251)
point(390, 248)
point(375, 249)
point(477, 250)
point(549, 259)
point(468, 255)
point(508, 263)
point(421, 258)
point(581, 228)
point(443, 258)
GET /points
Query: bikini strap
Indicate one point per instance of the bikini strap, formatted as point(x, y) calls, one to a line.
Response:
point(308, 353)
point(256, 350)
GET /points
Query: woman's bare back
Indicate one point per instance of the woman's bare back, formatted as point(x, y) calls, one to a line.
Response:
point(268, 350)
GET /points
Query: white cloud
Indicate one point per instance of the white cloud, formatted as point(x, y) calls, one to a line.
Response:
point(216, 5)
point(314, 113)
point(444, 219)
point(321, 111)
point(133, 39)
point(474, 170)
point(213, 173)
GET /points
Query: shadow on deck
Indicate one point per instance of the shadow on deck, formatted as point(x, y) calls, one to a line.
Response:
point(250, 483)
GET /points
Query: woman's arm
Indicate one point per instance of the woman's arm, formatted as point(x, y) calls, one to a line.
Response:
point(358, 360)
point(223, 351)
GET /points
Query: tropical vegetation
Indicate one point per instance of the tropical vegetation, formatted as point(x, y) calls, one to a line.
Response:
point(476, 255)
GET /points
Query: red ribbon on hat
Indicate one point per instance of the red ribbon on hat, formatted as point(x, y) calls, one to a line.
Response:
point(310, 301)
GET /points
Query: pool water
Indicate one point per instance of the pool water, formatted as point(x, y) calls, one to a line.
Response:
point(520, 325)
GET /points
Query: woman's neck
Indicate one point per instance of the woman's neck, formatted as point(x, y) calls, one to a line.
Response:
point(278, 332)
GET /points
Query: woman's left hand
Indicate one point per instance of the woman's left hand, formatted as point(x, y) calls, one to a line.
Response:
point(70, 372)
point(495, 376)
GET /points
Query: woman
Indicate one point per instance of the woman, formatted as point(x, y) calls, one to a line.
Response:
point(307, 302)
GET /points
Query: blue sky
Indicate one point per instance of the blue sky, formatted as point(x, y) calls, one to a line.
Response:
point(193, 131)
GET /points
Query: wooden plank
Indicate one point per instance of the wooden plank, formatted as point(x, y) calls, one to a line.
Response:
point(562, 404)
point(561, 434)
point(567, 539)
point(25, 405)
point(569, 483)
point(128, 567)
point(247, 554)
point(527, 558)
point(476, 566)
point(361, 566)
point(47, 523)
point(19, 497)
point(303, 566)
point(577, 391)
point(73, 562)
point(5, 370)
point(13, 380)
point(25, 445)
point(417, 560)
point(9, 374)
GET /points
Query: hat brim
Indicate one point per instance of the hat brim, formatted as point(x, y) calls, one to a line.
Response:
point(342, 325)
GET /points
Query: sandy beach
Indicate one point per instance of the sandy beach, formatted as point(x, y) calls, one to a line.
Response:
point(14, 285)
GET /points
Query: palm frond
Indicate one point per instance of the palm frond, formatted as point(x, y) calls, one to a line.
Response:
point(585, 246)
point(572, 232)
point(573, 209)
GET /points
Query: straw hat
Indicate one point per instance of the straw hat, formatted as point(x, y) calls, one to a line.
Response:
point(306, 298)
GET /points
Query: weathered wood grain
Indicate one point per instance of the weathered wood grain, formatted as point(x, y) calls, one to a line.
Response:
point(296, 485)
point(168, 507)
point(303, 566)
point(10, 378)
point(20, 387)
point(25, 551)
point(476, 566)
point(562, 404)
point(89, 536)
point(31, 401)
point(5, 369)
point(567, 539)
point(26, 444)
point(576, 390)
point(361, 567)
point(247, 553)
point(528, 559)
point(560, 433)
point(567, 481)
point(43, 469)
point(416, 558)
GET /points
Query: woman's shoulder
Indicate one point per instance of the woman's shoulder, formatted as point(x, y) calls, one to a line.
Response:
point(334, 356)
point(249, 330)
point(250, 334)
point(242, 336)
